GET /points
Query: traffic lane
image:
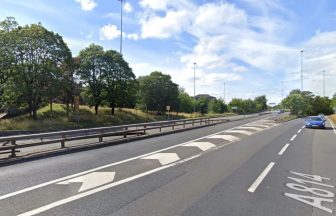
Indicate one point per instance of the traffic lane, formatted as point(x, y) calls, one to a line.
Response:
point(53, 167)
point(58, 192)
point(195, 179)
point(290, 188)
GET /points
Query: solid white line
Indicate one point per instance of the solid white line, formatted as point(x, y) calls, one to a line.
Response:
point(293, 137)
point(299, 131)
point(261, 177)
point(303, 126)
point(102, 167)
point(283, 149)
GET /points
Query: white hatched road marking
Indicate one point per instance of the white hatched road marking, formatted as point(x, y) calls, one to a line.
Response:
point(293, 137)
point(245, 132)
point(225, 137)
point(163, 158)
point(201, 145)
point(91, 180)
point(258, 125)
point(251, 128)
point(24, 190)
point(261, 177)
point(283, 149)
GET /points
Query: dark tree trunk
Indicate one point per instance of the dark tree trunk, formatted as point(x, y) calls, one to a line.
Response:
point(96, 109)
point(51, 106)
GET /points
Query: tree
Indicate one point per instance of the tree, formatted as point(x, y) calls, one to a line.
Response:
point(322, 105)
point(202, 105)
point(261, 103)
point(121, 85)
point(156, 91)
point(91, 72)
point(299, 103)
point(38, 55)
point(217, 106)
point(186, 103)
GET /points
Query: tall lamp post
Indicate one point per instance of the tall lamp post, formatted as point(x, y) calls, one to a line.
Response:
point(323, 83)
point(224, 92)
point(121, 24)
point(194, 87)
point(301, 71)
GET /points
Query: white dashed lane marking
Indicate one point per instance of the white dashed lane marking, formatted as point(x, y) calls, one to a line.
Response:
point(293, 137)
point(261, 177)
point(283, 149)
point(299, 131)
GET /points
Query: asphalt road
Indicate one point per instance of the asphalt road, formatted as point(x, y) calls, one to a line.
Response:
point(249, 167)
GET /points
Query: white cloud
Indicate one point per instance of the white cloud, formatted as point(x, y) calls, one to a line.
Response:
point(154, 4)
point(164, 27)
point(127, 7)
point(87, 5)
point(109, 32)
point(132, 36)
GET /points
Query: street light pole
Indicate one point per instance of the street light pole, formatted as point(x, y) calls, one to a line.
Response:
point(323, 83)
point(121, 24)
point(224, 92)
point(194, 87)
point(301, 71)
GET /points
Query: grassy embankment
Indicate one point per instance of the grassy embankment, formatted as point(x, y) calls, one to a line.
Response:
point(57, 120)
point(333, 118)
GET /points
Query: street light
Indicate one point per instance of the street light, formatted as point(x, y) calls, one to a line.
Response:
point(301, 71)
point(121, 24)
point(194, 87)
point(323, 83)
point(224, 92)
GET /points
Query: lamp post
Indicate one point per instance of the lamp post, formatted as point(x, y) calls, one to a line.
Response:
point(224, 92)
point(301, 71)
point(121, 24)
point(323, 83)
point(194, 87)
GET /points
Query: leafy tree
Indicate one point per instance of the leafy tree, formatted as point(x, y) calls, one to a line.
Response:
point(38, 55)
point(261, 103)
point(186, 103)
point(157, 90)
point(91, 72)
point(202, 105)
point(217, 106)
point(322, 105)
point(121, 85)
point(299, 103)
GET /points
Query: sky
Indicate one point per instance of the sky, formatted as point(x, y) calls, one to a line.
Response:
point(253, 46)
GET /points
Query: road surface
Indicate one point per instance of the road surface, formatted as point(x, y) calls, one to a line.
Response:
point(249, 167)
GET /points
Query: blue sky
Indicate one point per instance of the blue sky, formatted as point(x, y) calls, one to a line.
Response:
point(251, 45)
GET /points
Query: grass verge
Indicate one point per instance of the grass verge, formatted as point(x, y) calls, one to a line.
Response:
point(57, 120)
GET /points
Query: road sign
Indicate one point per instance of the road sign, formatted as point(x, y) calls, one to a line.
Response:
point(168, 108)
point(234, 107)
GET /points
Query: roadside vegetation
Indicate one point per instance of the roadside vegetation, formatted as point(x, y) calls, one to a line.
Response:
point(305, 103)
point(41, 84)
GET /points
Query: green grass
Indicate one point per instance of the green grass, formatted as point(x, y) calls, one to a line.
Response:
point(57, 120)
point(287, 118)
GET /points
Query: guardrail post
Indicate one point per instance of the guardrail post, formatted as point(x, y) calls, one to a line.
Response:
point(160, 129)
point(101, 138)
point(125, 132)
point(193, 121)
point(145, 126)
point(184, 123)
point(13, 142)
point(172, 127)
point(63, 141)
point(201, 122)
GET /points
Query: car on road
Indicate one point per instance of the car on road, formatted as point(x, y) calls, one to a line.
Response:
point(315, 122)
